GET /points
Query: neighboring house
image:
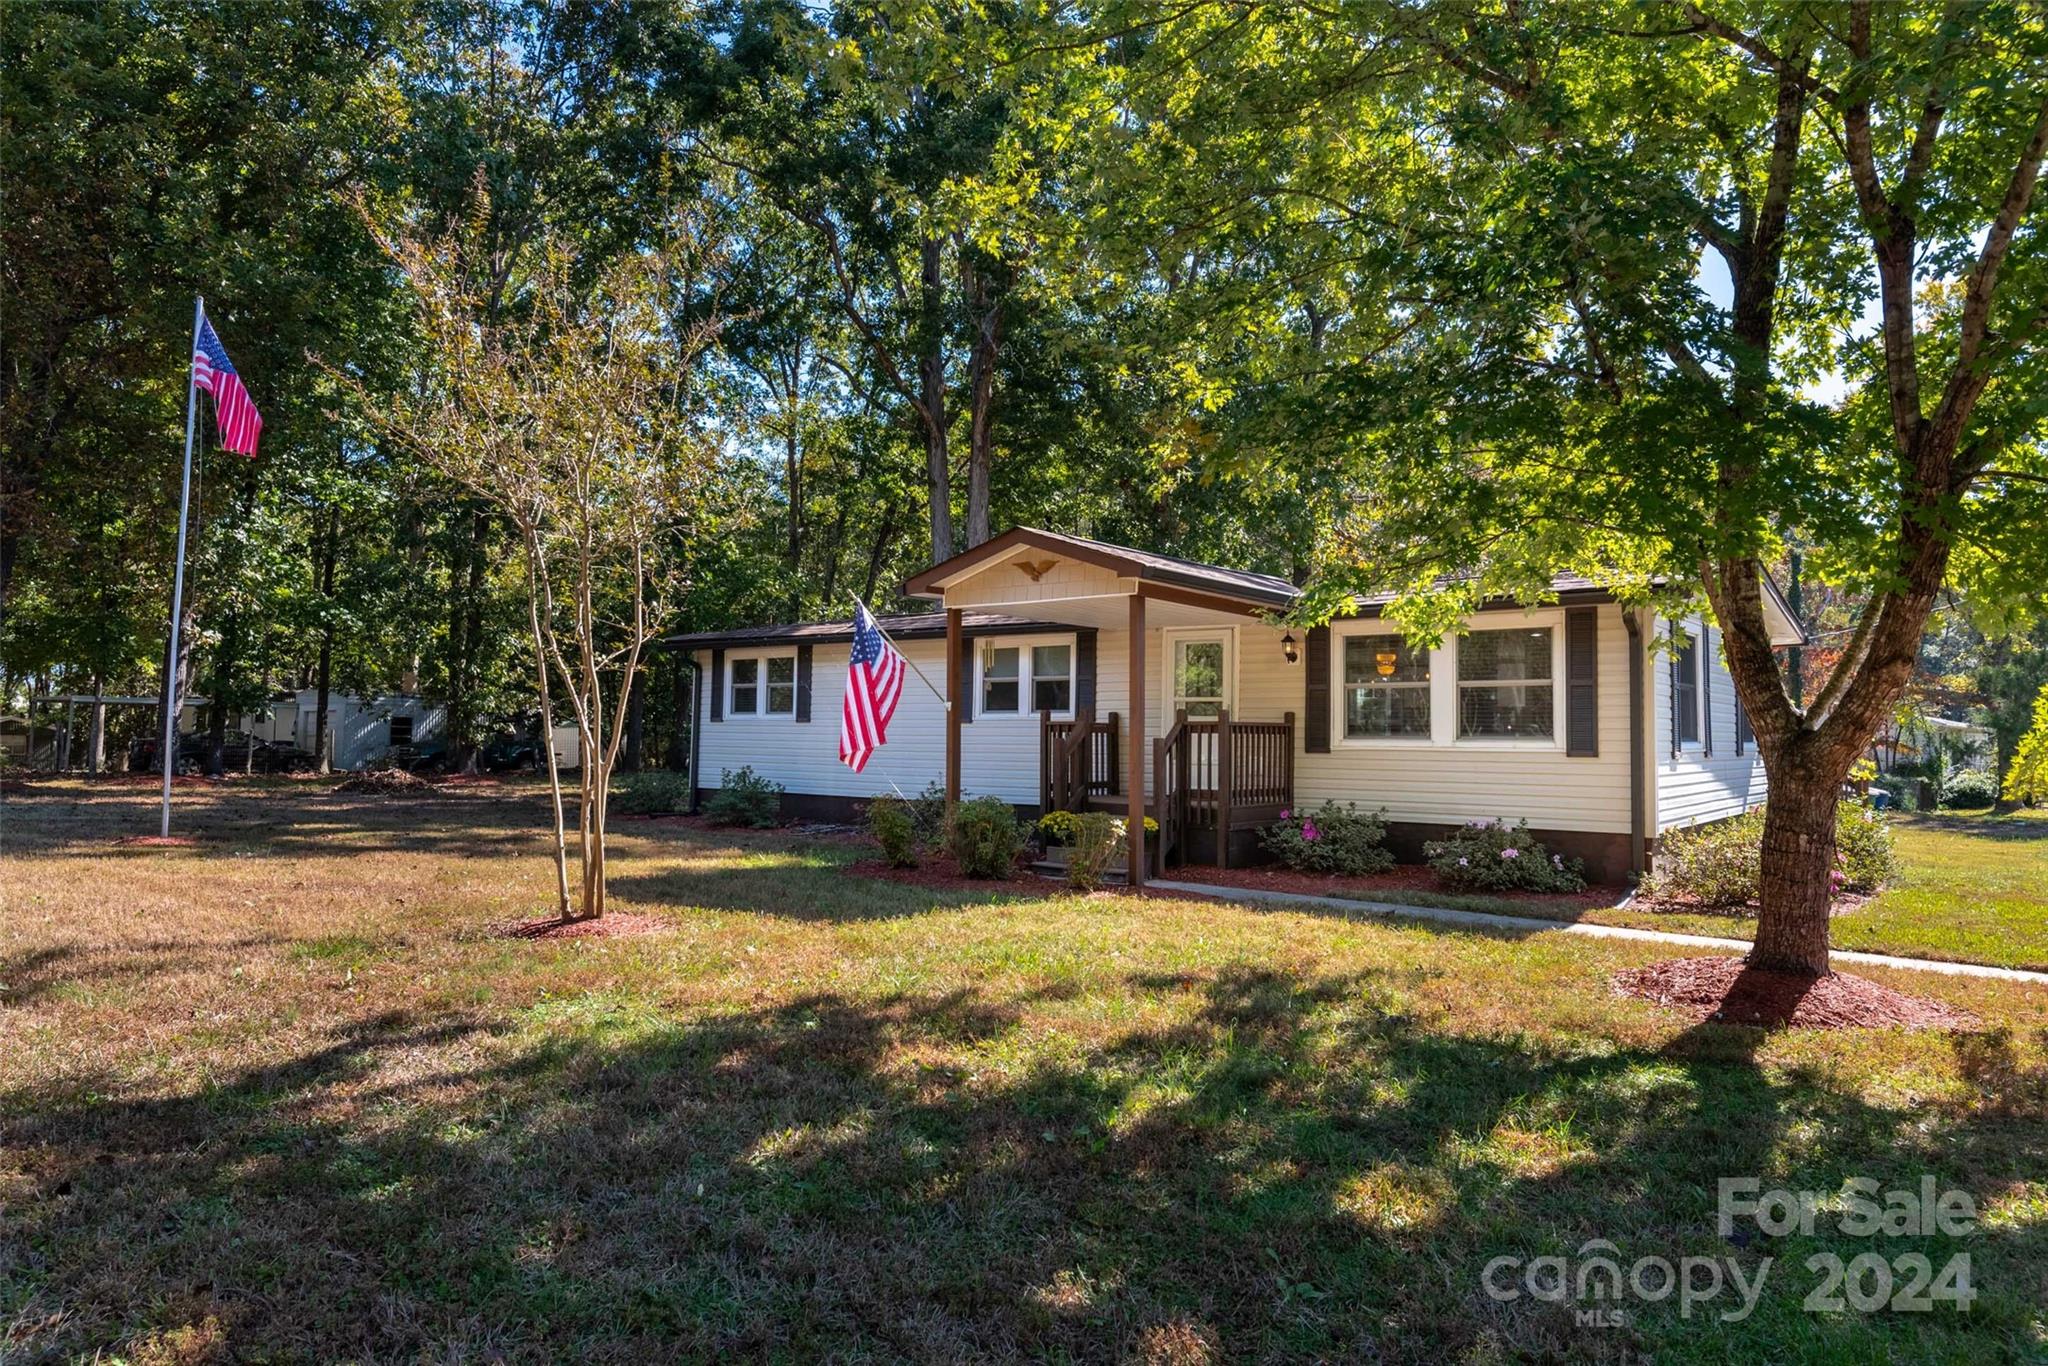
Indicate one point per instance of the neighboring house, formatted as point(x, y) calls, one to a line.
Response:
point(1567, 715)
point(359, 729)
point(1924, 736)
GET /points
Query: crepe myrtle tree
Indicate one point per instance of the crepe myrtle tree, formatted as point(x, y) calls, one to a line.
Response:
point(1649, 291)
point(560, 392)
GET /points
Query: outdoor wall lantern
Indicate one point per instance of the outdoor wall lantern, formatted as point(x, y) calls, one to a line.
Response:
point(1289, 649)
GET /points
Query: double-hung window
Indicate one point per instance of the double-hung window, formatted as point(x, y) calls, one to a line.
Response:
point(1386, 689)
point(1505, 687)
point(1017, 678)
point(1685, 691)
point(763, 685)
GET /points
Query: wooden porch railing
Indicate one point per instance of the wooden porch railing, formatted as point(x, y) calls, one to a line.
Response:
point(1078, 759)
point(1218, 776)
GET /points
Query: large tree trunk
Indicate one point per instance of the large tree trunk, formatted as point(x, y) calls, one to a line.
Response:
point(324, 676)
point(1798, 873)
point(931, 370)
point(636, 722)
point(984, 297)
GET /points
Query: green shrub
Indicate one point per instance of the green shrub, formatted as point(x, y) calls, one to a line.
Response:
point(928, 816)
point(1098, 839)
point(1905, 791)
point(744, 797)
point(1331, 839)
point(1718, 864)
point(1969, 787)
point(894, 828)
point(1721, 864)
point(985, 837)
point(1490, 856)
point(1865, 855)
point(653, 793)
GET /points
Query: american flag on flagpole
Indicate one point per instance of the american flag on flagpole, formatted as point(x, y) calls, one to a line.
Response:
point(233, 409)
point(874, 684)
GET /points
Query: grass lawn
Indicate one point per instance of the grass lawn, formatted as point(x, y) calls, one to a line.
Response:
point(284, 1097)
point(1973, 889)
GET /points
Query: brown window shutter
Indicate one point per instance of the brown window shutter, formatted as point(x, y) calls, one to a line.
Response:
point(1707, 689)
point(966, 690)
point(803, 682)
point(718, 685)
point(1582, 681)
point(1084, 669)
point(1315, 702)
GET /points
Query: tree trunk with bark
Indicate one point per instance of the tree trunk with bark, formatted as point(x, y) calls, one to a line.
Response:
point(1797, 890)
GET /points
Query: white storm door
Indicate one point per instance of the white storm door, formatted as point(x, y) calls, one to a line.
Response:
point(1201, 677)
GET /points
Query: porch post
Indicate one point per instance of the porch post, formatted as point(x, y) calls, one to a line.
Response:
point(1135, 810)
point(956, 694)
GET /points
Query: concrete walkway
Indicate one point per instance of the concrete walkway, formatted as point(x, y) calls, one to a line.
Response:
point(1481, 920)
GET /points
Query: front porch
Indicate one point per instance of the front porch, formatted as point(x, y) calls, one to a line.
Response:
point(1223, 780)
point(1162, 737)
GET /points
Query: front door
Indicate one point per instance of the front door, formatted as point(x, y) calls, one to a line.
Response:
point(1200, 678)
point(1201, 670)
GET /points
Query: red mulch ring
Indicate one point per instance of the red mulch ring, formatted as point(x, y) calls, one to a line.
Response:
point(610, 925)
point(156, 842)
point(942, 872)
point(1387, 886)
point(1729, 991)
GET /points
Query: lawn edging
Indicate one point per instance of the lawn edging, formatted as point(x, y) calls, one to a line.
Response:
point(1483, 920)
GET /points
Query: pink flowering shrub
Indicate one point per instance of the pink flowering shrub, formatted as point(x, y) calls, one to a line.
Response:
point(1333, 839)
point(1490, 856)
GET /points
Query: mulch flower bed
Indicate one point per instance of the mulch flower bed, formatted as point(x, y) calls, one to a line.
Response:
point(1387, 886)
point(1729, 991)
point(610, 925)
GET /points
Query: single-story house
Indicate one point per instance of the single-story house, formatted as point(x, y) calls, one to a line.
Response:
point(1084, 674)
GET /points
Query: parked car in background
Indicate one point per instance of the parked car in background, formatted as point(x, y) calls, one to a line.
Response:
point(426, 757)
point(240, 753)
point(510, 752)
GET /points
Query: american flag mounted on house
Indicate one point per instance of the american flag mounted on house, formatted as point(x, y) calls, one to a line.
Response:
point(874, 685)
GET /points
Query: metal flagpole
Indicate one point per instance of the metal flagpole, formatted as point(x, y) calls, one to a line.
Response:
point(169, 754)
point(944, 700)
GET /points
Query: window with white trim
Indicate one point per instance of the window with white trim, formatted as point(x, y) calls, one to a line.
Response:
point(1386, 689)
point(762, 685)
point(1505, 685)
point(1052, 678)
point(1024, 677)
point(1685, 700)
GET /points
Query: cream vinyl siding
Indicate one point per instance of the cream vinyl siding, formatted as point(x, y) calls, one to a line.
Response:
point(1433, 783)
point(1419, 781)
point(999, 757)
point(1698, 785)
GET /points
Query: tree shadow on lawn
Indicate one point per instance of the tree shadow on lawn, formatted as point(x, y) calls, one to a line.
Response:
point(287, 824)
point(796, 881)
point(1292, 1167)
